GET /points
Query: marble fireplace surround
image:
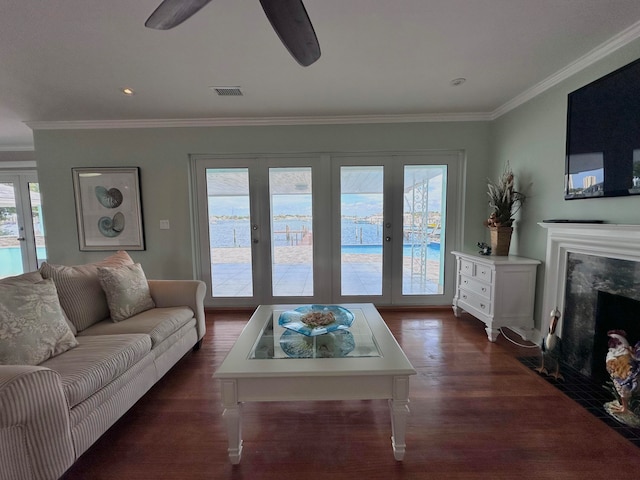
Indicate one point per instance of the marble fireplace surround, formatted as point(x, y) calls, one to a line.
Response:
point(613, 241)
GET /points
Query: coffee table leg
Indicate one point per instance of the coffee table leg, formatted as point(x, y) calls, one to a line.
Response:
point(232, 416)
point(399, 407)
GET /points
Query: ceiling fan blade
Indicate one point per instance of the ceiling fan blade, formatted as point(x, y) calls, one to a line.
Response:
point(171, 13)
point(290, 21)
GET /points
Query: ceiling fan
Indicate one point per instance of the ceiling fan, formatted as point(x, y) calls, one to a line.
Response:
point(288, 18)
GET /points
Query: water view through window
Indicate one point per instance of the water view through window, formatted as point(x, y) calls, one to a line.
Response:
point(361, 229)
point(283, 244)
point(423, 220)
point(229, 232)
point(22, 244)
point(291, 231)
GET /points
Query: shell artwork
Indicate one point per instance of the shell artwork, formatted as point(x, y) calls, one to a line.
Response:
point(111, 198)
point(111, 227)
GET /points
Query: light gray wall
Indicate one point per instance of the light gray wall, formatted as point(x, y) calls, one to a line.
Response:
point(532, 138)
point(163, 157)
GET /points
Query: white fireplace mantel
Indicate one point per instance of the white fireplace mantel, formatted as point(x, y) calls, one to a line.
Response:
point(605, 240)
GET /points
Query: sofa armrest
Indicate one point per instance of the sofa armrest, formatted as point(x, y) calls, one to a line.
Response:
point(175, 293)
point(35, 435)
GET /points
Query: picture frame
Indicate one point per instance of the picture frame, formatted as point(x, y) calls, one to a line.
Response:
point(108, 208)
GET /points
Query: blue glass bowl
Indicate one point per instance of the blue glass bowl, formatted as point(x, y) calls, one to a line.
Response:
point(293, 319)
point(333, 345)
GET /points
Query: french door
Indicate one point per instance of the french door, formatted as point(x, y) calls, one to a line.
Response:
point(326, 228)
point(257, 220)
point(22, 246)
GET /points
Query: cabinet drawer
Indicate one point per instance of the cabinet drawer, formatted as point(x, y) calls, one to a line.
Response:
point(481, 304)
point(482, 289)
point(483, 272)
point(478, 270)
point(467, 267)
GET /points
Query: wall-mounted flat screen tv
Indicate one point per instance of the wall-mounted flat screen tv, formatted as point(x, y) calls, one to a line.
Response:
point(603, 136)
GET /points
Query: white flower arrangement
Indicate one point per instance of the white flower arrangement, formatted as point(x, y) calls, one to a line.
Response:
point(504, 199)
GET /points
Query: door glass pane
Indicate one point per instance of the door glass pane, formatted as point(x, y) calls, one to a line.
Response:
point(229, 232)
point(361, 207)
point(291, 231)
point(423, 229)
point(10, 251)
point(37, 222)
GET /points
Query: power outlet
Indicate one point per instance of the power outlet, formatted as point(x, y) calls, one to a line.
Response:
point(164, 225)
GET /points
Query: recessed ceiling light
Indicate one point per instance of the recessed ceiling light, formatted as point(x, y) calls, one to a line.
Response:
point(127, 91)
point(457, 81)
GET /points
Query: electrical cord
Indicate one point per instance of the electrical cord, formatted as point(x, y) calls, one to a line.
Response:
point(516, 343)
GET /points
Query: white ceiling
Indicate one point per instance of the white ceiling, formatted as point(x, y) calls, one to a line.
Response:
point(65, 60)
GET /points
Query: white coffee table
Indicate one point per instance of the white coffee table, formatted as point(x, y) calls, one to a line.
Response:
point(258, 369)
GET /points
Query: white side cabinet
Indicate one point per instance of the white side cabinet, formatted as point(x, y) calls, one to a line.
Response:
point(500, 291)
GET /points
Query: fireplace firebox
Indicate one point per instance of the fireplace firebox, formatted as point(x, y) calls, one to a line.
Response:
point(613, 312)
point(602, 293)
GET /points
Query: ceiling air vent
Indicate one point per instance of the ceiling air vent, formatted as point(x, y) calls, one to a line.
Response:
point(228, 91)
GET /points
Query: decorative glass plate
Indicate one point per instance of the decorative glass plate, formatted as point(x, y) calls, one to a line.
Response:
point(312, 320)
point(338, 343)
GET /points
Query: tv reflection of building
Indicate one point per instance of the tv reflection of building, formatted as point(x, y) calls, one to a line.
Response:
point(588, 181)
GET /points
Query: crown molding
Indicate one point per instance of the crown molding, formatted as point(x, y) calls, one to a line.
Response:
point(257, 121)
point(27, 164)
point(618, 41)
point(17, 148)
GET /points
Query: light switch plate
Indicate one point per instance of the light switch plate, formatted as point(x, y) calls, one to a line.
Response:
point(164, 225)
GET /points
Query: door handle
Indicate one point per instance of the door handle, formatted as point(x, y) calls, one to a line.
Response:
point(22, 239)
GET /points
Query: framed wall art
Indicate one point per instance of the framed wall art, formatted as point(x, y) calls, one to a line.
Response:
point(108, 208)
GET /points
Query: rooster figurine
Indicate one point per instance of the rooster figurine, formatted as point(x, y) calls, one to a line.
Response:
point(623, 365)
point(551, 348)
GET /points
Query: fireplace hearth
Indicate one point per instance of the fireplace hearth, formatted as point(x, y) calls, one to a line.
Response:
point(590, 395)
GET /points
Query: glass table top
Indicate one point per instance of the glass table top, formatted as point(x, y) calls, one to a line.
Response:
point(278, 342)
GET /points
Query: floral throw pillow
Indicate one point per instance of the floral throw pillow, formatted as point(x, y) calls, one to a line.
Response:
point(32, 325)
point(35, 277)
point(126, 289)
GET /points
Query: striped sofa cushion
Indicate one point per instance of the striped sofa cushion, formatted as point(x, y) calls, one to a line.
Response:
point(158, 323)
point(96, 362)
point(79, 290)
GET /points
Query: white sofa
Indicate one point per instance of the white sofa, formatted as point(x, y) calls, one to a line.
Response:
point(52, 412)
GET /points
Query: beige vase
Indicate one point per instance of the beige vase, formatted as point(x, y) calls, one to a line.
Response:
point(500, 240)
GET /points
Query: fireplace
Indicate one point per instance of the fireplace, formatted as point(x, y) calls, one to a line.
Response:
point(592, 275)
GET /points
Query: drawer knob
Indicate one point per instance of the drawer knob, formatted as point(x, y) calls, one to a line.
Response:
point(482, 305)
point(484, 289)
point(464, 296)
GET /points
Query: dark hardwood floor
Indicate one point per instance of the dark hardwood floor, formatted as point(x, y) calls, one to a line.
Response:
point(476, 412)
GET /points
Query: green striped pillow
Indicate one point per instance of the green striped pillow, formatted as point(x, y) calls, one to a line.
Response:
point(79, 290)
